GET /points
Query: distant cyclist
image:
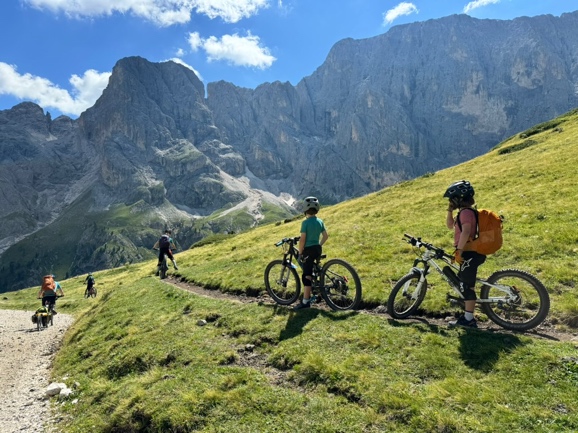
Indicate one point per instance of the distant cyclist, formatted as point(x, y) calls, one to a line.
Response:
point(165, 244)
point(48, 291)
point(89, 284)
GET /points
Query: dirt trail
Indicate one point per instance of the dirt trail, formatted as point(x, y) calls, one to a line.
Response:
point(545, 331)
point(25, 359)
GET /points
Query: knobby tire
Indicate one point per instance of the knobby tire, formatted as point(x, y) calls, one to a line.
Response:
point(164, 268)
point(525, 313)
point(282, 282)
point(405, 298)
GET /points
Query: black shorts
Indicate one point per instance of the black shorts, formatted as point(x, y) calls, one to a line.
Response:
point(469, 271)
point(310, 254)
point(51, 299)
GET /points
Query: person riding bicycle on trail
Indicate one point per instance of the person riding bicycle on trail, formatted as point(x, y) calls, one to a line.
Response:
point(48, 291)
point(461, 198)
point(89, 283)
point(164, 245)
point(310, 247)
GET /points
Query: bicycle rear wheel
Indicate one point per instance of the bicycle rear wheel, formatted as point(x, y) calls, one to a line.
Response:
point(282, 282)
point(93, 293)
point(526, 310)
point(406, 296)
point(164, 268)
point(340, 285)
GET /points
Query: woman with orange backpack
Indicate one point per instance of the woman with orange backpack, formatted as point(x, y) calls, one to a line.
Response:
point(49, 290)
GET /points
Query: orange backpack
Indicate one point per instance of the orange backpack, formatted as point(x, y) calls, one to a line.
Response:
point(48, 283)
point(488, 238)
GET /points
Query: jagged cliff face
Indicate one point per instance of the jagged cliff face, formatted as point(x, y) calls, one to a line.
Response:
point(154, 132)
point(378, 111)
point(418, 98)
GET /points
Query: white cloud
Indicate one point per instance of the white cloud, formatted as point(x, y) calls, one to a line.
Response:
point(85, 90)
point(195, 41)
point(477, 4)
point(234, 49)
point(403, 8)
point(229, 10)
point(161, 12)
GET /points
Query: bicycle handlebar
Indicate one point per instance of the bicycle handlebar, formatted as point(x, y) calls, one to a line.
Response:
point(417, 242)
point(292, 241)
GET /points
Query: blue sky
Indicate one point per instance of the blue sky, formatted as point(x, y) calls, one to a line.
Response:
point(60, 53)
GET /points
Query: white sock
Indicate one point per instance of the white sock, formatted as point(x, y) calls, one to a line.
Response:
point(305, 301)
point(468, 315)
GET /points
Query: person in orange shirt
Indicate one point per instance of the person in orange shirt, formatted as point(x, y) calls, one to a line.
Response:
point(49, 290)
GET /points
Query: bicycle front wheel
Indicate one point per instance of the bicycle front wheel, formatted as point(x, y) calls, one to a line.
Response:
point(406, 296)
point(340, 285)
point(93, 294)
point(525, 309)
point(282, 282)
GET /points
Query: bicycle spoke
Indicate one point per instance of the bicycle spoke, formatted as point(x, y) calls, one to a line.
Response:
point(282, 283)
point(524, 307)
point(340, 285)
point(406, 296)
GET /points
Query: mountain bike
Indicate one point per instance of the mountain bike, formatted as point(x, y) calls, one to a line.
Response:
point(336, 281)
point(511, 298)
point(91, 292)
point(44, 316)
point(164, 266)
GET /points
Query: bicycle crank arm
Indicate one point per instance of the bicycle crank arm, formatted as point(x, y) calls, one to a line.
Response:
point(454, 300)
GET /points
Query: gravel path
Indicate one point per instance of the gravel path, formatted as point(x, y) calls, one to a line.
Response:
point(25, 359)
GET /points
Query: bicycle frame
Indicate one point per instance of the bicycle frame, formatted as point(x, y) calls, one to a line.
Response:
point(427, 259)
point(291, 251)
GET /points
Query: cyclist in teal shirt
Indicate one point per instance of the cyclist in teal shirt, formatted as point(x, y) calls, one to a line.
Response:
point(313, 236)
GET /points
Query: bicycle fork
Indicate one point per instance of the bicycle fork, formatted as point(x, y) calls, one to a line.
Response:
point(418, 287)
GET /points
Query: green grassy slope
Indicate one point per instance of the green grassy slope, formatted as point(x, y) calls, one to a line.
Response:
point(143, 363)
point(531, 181)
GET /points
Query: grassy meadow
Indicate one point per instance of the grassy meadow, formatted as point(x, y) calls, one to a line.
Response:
point(139, 360)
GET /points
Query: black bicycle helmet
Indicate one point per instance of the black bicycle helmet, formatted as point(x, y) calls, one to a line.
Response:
point(461, 189)
point(311, 203)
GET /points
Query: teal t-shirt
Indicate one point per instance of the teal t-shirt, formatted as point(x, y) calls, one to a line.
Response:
point(312, 227)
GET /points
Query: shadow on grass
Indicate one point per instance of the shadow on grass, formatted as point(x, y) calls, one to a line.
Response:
point(297, 320)
point(420, 324)
point(479, 349)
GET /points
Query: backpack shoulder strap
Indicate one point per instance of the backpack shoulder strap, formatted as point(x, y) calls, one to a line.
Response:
point(475, 211)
